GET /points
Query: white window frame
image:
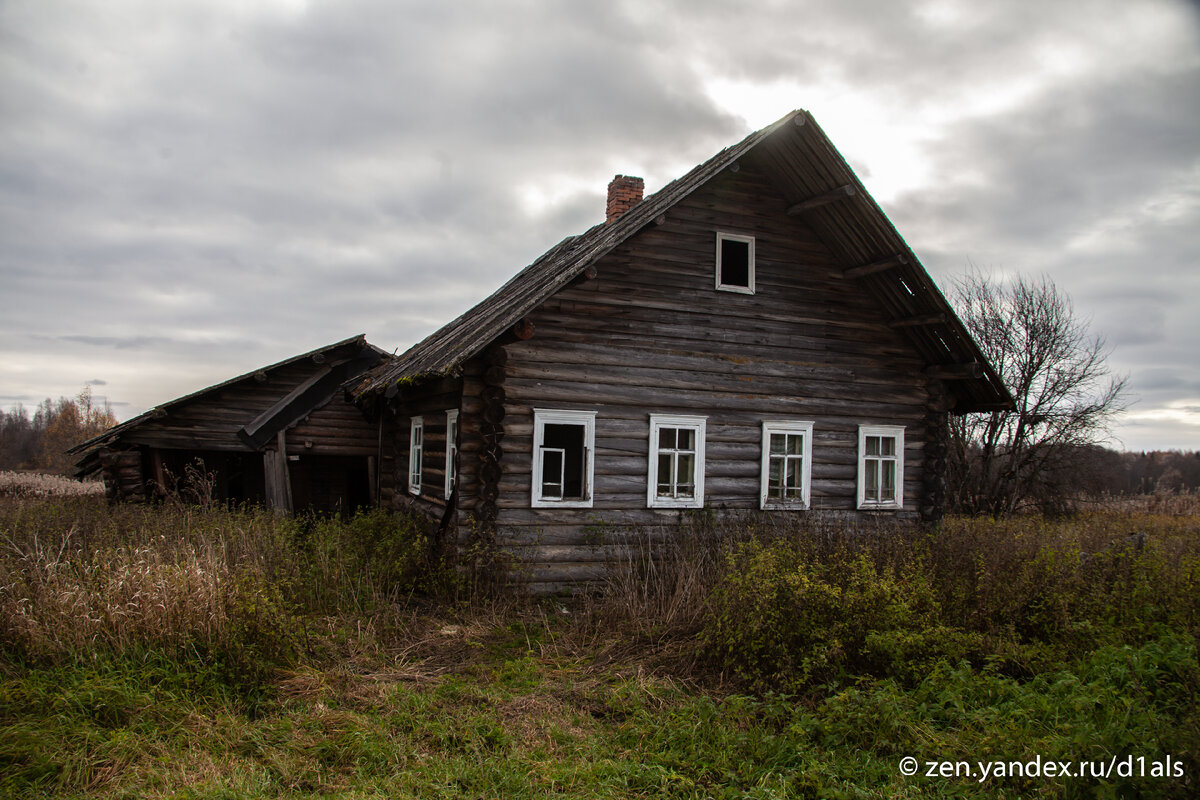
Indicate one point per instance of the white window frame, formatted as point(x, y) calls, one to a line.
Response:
point(749, 241)
point(451, 451)
point(697, 424)
point(893, 431)
point(786, 428)
point(416, 454)
point(585, 419)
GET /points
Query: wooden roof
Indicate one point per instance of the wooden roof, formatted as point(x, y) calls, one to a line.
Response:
point(334, 366)
point(820, 187)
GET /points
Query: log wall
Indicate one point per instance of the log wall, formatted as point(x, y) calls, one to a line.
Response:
point(651, 334)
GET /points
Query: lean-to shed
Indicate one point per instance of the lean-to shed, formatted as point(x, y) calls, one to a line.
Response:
point(284, 435)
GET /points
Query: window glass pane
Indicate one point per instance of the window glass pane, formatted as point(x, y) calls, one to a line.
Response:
point(778, 443)
point(872, 444)
point(794, 473)
point(872, 487)
point(685, 473)
point(795, 444)
point(665, 479)
point(887, 446)
point(888, 484)
point(666, 438)
point(686, 438)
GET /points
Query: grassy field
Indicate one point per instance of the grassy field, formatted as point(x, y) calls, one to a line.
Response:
point(204, 653)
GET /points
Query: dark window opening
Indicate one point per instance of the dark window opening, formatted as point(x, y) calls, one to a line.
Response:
point(564, 462)
point(735, 263)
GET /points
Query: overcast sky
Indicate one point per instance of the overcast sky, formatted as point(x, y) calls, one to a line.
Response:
point(195, 188)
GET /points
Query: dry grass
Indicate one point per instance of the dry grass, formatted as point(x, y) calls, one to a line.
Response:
point(40, 484)
point(1175, 504)
point(55, 598)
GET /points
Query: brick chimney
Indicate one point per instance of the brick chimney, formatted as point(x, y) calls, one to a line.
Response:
point(624, 192)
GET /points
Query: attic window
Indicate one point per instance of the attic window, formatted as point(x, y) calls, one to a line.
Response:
point(735, 263)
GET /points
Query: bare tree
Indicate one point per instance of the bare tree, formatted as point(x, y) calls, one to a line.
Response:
point(1065, 399)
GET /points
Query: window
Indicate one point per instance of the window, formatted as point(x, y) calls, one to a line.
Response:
point(880, 466)
point(735, 263)
point(451, 451)
point(786, 464)
point(416, 451)
point(676, 475)
point(562, 458)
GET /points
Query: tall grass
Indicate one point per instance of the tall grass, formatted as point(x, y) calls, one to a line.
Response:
point(187, 651)
point(1021, 595)
point(78, 576)
point(40, 484)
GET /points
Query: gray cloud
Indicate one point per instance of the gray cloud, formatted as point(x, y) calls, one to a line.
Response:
point(200, 188)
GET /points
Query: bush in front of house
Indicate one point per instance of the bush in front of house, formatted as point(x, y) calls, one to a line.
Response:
point(784, 616)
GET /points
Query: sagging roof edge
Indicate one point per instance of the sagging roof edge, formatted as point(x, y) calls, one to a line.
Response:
point(156, 411)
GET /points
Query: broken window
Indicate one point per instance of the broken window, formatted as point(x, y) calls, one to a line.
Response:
point(562, 458)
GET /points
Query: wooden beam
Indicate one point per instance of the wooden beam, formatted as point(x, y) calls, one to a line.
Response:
point(840, 193)
point(875, 266)
point(972, 370)
point(318, 388)
point(918, 321)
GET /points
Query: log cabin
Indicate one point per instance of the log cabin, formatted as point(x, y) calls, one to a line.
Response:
point(284, 436)
point(755, 337)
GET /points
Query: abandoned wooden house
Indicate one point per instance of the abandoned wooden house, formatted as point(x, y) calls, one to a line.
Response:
point(284, 436)
point(756, 336)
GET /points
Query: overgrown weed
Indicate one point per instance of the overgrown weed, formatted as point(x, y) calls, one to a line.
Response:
point(1077, 640)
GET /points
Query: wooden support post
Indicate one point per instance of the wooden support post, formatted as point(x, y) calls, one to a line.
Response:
point(840, 193)
point(275, 475)
point(160, 474)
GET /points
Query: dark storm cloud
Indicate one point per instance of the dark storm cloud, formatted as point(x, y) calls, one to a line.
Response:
point(204, 187)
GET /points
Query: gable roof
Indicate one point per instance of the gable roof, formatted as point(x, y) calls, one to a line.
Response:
point(349, 358)
point(819, 185)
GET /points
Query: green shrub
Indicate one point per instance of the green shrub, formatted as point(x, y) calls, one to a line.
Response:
point(374, 558)
point(782, 617)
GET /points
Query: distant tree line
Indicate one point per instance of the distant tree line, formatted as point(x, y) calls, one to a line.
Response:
point(40, 442)
point(1153, 472)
